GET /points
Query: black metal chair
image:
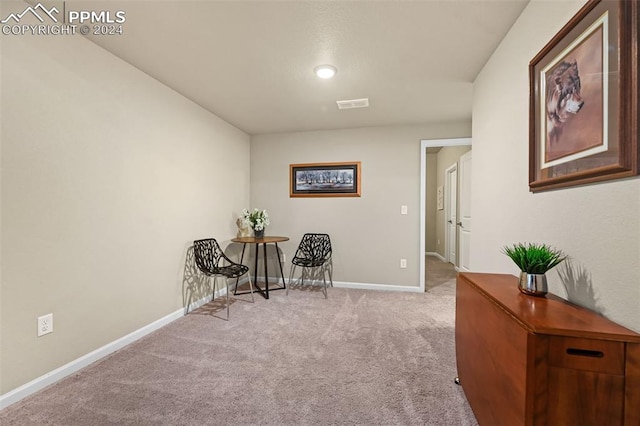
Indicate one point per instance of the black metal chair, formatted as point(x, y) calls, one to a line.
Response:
point(210, 260)
point(314, 251)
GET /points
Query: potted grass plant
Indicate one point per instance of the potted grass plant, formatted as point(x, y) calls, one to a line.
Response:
point(534, 260)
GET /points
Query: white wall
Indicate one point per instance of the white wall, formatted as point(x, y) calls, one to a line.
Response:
point(107, 176)
point(597, 225)
point(368, 233)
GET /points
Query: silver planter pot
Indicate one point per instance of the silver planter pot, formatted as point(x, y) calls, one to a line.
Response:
point(533, 284)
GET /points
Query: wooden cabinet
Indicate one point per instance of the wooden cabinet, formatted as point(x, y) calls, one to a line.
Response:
point(525, 360)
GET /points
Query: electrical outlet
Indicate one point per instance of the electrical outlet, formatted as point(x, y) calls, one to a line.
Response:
point(403, 209)
point(403, 263)
point(45, 324)
point(284, 258)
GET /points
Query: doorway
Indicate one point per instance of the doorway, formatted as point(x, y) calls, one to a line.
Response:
point(427, 226)
point(451, 214)
point(464, 211)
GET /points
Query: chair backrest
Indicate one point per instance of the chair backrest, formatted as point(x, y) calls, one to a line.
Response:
point(207, 253)
point(314, 246)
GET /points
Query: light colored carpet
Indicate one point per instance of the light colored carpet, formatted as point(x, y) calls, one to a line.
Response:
point(437, 272)
point(358, 358)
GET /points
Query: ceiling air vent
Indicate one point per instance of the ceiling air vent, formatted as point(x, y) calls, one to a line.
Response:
point(353, 103)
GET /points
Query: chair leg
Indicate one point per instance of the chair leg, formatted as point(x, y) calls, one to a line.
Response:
point(308, 272)
point(324, 280)
point(186, 308)
point(251, 288)
point(227, 299)
point(293, 268)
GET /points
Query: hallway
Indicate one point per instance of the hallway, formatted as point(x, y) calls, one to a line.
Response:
point(437, 272)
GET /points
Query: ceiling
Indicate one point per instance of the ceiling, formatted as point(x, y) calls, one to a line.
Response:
point(251, 62)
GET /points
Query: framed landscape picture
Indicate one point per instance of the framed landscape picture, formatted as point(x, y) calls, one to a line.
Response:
point(324, 180)
point(583, 118)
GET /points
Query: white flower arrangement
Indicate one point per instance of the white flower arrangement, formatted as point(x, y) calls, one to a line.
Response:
point(257, 219)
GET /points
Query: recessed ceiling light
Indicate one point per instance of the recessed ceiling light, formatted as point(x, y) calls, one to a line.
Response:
point(325, 71)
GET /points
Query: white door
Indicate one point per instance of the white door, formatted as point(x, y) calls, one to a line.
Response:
point(451, 212)
point(465, 211)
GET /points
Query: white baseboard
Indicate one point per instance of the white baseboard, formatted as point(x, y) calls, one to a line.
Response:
point(70, 368)
point(436, 254)
point(59, 373)
point(204, 300)
point(362, 286)
point(383, 287)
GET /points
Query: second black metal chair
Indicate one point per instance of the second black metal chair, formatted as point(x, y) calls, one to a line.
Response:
point(211, 260)
point(314, 251)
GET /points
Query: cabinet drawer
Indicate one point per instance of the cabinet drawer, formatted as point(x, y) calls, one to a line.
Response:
point(600, 356)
